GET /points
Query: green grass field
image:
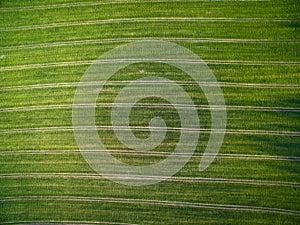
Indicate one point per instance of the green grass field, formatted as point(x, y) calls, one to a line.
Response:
point(251, 46)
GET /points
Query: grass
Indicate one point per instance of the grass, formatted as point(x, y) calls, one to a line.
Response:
point(194, 191)
point(47, 163)
point(207, 51)
point(287, 97)
point(221, 168)
point(233, 144)
point(224, 73)
point(248, 30)
point(223, 9)
point(251, 120)
point(81, 211)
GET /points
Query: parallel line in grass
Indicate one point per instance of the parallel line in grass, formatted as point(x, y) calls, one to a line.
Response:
point(149, 19)
point(89, 62)
point(138, 153)
point(154, 105)
point(155, 202)
point(66, 222)
point(144, 177)
point(137, 82)
point(78, 4)
point(120, 40)
point(156, 129)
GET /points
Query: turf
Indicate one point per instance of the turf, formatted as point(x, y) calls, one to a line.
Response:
point(252, 47)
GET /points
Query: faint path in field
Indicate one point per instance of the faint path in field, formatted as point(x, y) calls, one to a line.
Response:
point(66, 222)
point(157, 129)
point(158, 154)
point(122, 82)
point(154, 105)
point(47, 65)
point(120, 40)
point(79, 4)
point(89, 62)
point(145, 20)
point(253, 63)
point(155, 202)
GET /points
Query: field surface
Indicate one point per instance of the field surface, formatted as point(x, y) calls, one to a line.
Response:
point(252, 48)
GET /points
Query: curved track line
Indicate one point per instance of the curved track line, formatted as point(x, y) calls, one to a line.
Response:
point(157, 129)
point(120, 40)
point(200, 107)
point(170, 179)
point(78, 4)
point(137, 153)
point(156, 202)
point(145, 20)
point(47, 65)
point(89, 62)
point(122, 82)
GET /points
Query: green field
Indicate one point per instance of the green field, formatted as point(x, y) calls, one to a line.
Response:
point(252, 48)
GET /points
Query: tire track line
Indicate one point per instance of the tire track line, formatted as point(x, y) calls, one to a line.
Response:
point(155, 202)
point(47, 65)
point(120, 40)
point(199, 107)
point(89, 62)
point(79, 4)
point(159, 154)
point(145, 20)
point(118, 83)
point(66, 222)
point(144, 177)
point(157, 129)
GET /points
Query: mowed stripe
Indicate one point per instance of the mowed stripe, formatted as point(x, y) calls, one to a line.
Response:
point(80, 4)
point(159, 154)
point(124, 40)
point(155, 202)
point(156, 129)
point(144, 177)
point(122, 82)
point(89, 62)
point(145, 20)
point(157, 105)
